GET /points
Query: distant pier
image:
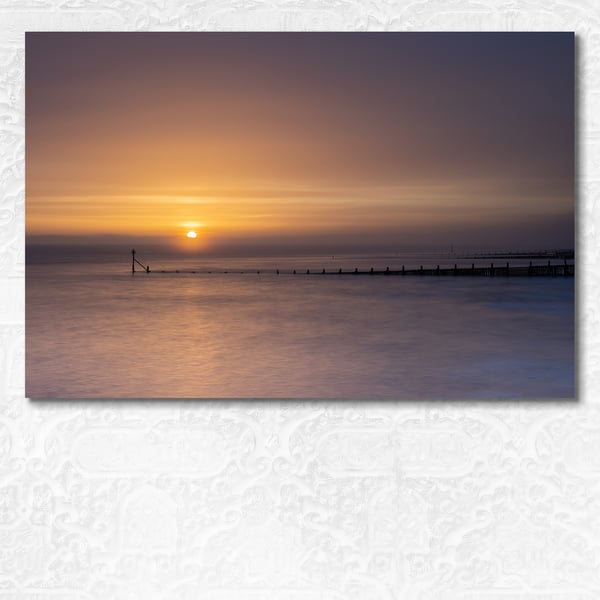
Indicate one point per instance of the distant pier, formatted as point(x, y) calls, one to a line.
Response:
point(491, 270)
point(494, 269)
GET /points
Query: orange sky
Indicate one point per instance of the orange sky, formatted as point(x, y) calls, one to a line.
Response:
point(403, 138)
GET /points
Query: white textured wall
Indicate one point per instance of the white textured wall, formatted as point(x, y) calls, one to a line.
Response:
point(297, 500)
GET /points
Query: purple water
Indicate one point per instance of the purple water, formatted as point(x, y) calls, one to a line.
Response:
point(94, 330)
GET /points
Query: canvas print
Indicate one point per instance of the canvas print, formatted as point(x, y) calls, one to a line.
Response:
point(300, 215)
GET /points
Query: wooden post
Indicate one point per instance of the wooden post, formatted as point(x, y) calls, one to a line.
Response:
point(132, 260)
point(492, 270)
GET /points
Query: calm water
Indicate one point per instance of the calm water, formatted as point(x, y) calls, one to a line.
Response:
point(94, 330)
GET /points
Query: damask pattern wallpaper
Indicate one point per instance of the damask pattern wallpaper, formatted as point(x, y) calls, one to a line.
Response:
point(298, 500)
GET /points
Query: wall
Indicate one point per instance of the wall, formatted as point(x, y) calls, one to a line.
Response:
point(298, 500)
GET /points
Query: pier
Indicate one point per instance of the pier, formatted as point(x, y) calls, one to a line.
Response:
point(503, 269)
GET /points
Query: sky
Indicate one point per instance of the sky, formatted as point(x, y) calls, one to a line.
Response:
point(278, 143)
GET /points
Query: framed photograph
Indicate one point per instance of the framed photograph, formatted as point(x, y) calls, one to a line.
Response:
point(300, 215)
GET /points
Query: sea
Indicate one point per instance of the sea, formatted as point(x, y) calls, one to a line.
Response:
point(251, 328)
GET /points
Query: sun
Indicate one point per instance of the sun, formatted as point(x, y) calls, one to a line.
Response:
point(191, 234)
